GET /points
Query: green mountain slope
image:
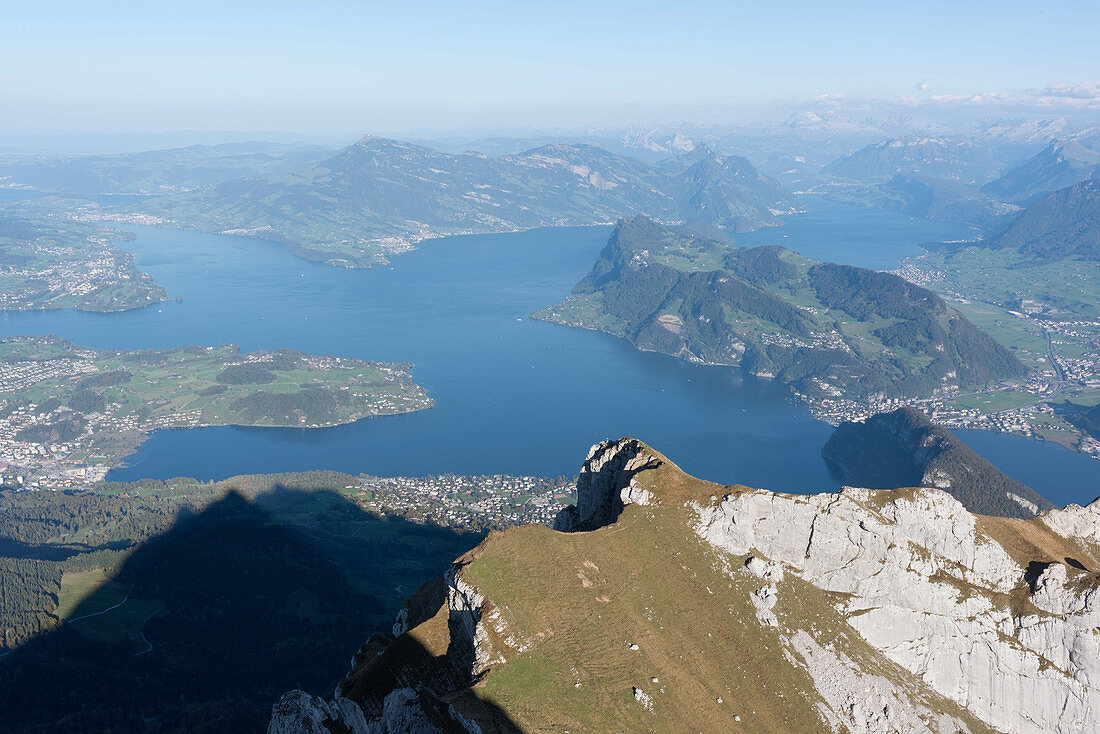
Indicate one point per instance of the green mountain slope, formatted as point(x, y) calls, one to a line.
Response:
point(1063, 224)
point(379, 197)
point(1089, 421)
point(823, 328)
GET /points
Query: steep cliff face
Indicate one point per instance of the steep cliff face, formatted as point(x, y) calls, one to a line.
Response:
point(905, 449)
point(675, 604)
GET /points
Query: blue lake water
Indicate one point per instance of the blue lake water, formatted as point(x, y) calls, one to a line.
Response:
point(512, 395)
point(869, 238)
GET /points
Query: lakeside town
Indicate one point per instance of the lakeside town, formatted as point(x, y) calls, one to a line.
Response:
point(482, 502)
point(1035, 407)
point(47, 264)
point(68, 414)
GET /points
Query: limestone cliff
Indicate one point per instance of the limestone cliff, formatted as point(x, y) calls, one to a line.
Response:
point(674, 604)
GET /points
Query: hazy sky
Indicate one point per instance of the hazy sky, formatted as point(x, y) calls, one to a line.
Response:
point(333, 66)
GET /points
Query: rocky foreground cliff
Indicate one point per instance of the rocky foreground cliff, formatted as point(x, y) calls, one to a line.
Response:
point(665, 603)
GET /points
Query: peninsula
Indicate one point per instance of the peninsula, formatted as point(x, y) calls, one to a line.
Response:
point(68, 414)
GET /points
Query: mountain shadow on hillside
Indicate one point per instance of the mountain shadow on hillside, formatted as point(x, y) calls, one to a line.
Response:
point(221, 614)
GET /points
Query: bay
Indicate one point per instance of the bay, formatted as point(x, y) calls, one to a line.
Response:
point(513, 395)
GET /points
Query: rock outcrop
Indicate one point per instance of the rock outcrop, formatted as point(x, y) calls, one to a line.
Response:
point(677, 604)
point(398, 684)
point(927, 585)
point(606, 484)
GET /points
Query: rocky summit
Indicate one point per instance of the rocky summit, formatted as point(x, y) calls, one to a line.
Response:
point(661, 602)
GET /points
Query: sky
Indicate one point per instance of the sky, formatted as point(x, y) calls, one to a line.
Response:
point(328, 67)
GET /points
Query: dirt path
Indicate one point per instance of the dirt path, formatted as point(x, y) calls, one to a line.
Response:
point(143, 637)
point(96, 614)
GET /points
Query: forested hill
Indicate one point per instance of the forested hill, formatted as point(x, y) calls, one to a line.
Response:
point(826, 329)
point(905, 449)
point(1063, 224)
point(379, 196)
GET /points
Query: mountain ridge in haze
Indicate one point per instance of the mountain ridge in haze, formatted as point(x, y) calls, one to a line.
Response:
point(381, 196)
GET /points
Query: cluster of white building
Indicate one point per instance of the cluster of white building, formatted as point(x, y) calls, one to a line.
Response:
point(479, 501)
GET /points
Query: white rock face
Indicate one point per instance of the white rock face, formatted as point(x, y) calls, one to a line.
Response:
point(930, 592)
point(1024, 503)
point(762, 569)
point(606, 483)
point(1081, 523)
point(465, 603)
point(403, 714)
point(297, 712)
point(862, 703)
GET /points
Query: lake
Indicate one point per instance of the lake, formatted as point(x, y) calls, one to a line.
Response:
point(513, 395)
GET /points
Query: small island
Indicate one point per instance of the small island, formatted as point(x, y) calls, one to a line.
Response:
point(69, 414)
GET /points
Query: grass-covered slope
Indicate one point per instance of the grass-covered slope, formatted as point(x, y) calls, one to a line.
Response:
point(652, 620)
point(380, 196)
point(826, 329)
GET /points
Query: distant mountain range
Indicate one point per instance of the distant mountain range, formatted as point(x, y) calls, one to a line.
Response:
point(950, 158)
point(928, 198)
point(1063, 224)
point(1058, 165)
point(1016, 141)
point(826, 329)
point(947, 178)
point(905, 449)
point(381, 196)
point(158, 171)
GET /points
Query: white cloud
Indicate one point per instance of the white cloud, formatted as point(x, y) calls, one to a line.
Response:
point(1084, 90)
